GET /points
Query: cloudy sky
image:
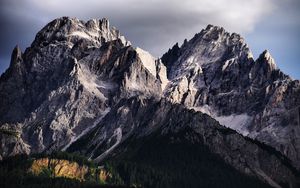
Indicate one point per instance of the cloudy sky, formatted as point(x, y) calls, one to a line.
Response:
point(155, 25)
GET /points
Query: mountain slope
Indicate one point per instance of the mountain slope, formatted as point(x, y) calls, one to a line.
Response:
point(173, 160)
point(138, 120)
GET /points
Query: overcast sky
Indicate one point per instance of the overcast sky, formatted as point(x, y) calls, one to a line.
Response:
point(155, 25)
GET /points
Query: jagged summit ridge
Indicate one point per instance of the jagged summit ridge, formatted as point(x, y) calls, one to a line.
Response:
point(211, 45)
point(72, 29)
point(267, 57)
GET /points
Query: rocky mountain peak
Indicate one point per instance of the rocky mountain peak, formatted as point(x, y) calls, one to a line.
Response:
point(212, 45)
point(215, 73)
point(16, 64)
point(265, 70)
point(266, 57)
point(213, 30)
point(94, 24)
point(104, 23)
point(69, 31)
point(16, 56)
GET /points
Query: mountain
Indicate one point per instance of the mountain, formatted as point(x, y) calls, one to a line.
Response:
point(205, 108)
point(215, 73)
point(66, 81)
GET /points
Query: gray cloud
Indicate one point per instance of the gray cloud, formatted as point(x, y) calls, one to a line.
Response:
point(154, 25)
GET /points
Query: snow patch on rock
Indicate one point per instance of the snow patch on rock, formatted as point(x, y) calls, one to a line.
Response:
point(204, 109)
point(81, 35)
point(162, 75)
point(148, 60)
point(236, 122)
point(90, 81)
point(224, 67)
point(270, 59)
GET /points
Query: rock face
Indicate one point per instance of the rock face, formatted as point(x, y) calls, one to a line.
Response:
point(82, 87)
